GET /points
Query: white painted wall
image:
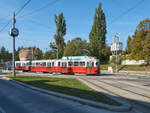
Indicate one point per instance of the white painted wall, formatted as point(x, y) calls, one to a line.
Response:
point(133, 62)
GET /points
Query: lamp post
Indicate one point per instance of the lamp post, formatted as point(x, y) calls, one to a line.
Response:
point(14, 32)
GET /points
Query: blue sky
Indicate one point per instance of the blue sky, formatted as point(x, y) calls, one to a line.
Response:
point(39, 28)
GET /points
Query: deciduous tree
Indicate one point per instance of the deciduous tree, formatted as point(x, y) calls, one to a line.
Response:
point(76, 47)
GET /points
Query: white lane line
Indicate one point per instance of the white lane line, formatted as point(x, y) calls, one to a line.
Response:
point(1, 110)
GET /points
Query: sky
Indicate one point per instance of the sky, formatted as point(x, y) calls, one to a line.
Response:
point(37, 27)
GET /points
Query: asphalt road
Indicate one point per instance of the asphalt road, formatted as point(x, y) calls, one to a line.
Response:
point(18, 99)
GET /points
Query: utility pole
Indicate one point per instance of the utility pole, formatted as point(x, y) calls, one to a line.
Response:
point(14, 32)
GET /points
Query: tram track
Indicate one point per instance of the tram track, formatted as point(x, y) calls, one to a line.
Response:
point(108, 91)
point(118, 86)
point(138, 107)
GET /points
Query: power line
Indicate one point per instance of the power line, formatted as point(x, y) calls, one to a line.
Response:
point(5, 26)
point(16, 15)
point(43, 25)
point(41, 8)
point(127, 11)
point(23, 7)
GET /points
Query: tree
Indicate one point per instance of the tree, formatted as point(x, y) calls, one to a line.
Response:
point(146, 48)
point(129, 44)
point(50, 54)
point(137, 45)
point(37, 55)
point(4, 55)
point(60, 33)
point(144, 24)
point(17, 53)
point(97, 35)
point(140, 41)
point(76, 47)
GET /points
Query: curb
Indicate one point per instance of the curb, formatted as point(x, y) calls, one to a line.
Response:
point(124, 108)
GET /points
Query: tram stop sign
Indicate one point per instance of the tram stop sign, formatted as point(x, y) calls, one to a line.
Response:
point(14, 32)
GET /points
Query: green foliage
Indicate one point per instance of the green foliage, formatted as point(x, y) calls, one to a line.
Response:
point(60, 33)
point(138, 47)
point(50, 55)
point(129, 44)
point(17, 53)
point(113, 59)
point(138, 44)
point(144, 24)
point(37, 55)
point(97, 36)
point(4, 55)
point(76, 47)
point(146, 47)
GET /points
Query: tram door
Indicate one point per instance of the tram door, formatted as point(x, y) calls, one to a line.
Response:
point(64, 67)
point(89, 67)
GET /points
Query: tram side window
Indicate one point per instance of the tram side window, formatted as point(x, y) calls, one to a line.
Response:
point(76, 63)
point(65, 64)
point(52, 63)
point(44, 63)
point(87, 64)
point(37, 63)
point(49, 64)
point(18, 64)
point(97, 63)
point(70, 63)
point(58, 63)
point(29, 63)
point(82, 63)
point(33, 64)
point(92, 64)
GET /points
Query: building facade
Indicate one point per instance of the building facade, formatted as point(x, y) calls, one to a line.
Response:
point(27, 53)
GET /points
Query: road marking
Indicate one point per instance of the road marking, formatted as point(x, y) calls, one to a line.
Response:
point(1, 110)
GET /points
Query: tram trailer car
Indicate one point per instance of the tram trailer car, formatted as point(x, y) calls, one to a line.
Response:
point(77, 64)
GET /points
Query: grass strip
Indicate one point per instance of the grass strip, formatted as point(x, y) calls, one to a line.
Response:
point(67, 86)
point(127, 67)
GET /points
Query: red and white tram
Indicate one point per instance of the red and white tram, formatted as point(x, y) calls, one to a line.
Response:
point(76, 64)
